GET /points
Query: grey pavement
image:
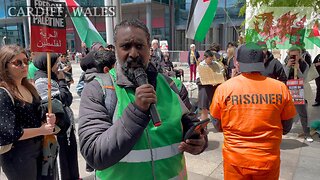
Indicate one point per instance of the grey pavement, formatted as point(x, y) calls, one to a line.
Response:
point(299, 159)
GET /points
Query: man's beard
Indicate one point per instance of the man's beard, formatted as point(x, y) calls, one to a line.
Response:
point(130, 65)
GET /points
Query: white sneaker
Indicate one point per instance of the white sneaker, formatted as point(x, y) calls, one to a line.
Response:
point(309, 139)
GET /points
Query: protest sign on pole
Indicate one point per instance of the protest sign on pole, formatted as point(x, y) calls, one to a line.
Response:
point(48, 32)
point(48, 26)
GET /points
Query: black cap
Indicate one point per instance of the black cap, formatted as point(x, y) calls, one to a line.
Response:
point(96, 46)
point(250, 57)
point(88, 61)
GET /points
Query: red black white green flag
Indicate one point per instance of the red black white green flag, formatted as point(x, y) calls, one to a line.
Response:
point(201, 15)
point(86, 30)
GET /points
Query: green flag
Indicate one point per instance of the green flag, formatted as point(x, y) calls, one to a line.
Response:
point(86, 31)
point(201, 15)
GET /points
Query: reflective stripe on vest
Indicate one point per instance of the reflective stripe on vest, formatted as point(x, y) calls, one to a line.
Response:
point(182, 175)
point(158, 153)
point(162, 142)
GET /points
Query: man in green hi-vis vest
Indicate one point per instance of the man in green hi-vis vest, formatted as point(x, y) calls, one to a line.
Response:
point(116, 133)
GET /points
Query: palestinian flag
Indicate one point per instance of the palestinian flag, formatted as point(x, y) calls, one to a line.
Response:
point(86, 31)
point(314, 35)
point(200, 18)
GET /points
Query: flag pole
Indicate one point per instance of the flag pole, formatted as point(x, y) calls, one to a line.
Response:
point(109, 24)
point(118, 17)
point(49, 82)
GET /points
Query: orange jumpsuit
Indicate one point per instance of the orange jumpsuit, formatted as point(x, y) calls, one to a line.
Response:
point(251, 108)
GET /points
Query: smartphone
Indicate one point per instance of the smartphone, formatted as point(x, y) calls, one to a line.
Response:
point(195, 131)
point(293, 57)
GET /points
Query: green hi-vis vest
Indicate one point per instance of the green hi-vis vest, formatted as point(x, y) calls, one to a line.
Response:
point(156, 154)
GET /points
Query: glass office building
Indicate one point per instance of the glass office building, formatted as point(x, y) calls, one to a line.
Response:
point(166, 20)
point(13, 30)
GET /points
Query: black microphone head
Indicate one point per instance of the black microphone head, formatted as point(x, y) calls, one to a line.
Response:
point(141, 76)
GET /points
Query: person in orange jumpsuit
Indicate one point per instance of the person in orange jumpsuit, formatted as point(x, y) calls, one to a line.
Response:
point(252, 111)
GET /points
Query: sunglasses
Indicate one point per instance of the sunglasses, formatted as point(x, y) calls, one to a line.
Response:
point(19, 62)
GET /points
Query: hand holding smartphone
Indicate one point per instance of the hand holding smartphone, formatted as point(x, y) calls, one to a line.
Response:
point(293, 57)
point(195, 131)
point(292, 60)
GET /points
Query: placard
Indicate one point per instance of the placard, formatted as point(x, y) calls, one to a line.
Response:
point(296, 89)
point(48, 26)
point(211, 74)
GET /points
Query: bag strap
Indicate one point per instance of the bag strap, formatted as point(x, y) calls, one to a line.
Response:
point(173, 85)
point(110, 97)
point(6, 148)
point(8, 94)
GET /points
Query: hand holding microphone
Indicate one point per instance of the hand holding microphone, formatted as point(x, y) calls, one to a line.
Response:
point(146, 96)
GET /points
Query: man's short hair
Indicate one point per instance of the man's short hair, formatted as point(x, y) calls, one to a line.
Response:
point(295, 48)
point(104, 59)
point(192, 45)
point(208, 53)
point(215, 47)
point(87, 62)
point(131, 23)
point(155, 41)
point(96, 46)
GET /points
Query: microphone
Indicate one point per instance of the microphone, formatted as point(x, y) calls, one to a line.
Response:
point(141, 78)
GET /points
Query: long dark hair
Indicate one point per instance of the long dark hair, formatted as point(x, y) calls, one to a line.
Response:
point(7, 53)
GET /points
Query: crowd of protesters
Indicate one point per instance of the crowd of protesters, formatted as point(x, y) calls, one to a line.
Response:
point(33, 143)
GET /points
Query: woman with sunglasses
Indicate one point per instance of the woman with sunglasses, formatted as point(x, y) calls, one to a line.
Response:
point(21, 126)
